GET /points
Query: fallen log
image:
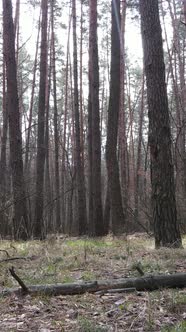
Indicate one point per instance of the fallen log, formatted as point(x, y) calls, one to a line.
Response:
point(146, 283)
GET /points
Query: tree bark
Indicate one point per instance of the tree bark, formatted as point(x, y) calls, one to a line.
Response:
point(40, 160)
point(166, 228)
point(21, 227)
point(29, 130)
point(49, 224)
point(117, 214)
point(82, 215)
point(56, 135)
point(138, 161)
point(96, 215)
point(81, 86)
point(3, 158)
point(16, 28)
point(149, 283)
point(122, 139)
point(106, 215)
point(179, 64)
point(66, 97)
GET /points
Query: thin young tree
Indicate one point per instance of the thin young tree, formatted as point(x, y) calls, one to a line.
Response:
point(64, 134)
point(81, 84)
point(122, 139)
point(139, 154)
point(81, 197)
point(117, 214)
point(29, 130)
point(21, 226)
point(17, 28)
point(48, 198)
point(166, 228)
point(40, 160)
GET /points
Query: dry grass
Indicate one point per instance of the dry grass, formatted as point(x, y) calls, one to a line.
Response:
point(71, 259)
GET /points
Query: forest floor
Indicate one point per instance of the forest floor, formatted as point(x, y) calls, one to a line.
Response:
point(74, 259)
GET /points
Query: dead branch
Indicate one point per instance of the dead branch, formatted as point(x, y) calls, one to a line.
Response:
point(18, 279)
point(138, 267)
point(6, 252)
point(183, 23)
point(13, 259)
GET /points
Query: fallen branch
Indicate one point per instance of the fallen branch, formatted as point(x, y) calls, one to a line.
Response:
point(5, 251)
point(183, 23)
point(18, 279)
point(15, 259)
point(149, 283)
point(11, 259)
point(138, 267)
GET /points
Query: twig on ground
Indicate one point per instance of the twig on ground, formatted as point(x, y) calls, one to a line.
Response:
point(11, 259)
point(117, 290)
point(138, 267)
point(15, 259)
point(6, 252)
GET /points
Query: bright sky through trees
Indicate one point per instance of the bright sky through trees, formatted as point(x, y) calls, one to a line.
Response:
point(29, 18)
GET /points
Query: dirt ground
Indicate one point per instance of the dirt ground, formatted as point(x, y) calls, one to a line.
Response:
point(64, 260)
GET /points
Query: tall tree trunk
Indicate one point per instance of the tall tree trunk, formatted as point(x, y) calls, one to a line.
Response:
point(40, 160)
point(56, 135)
point(131, 154)
point(63, 166)
point(81, 87)
point(179, 64)
point(91, 227)
point(21, 227)
point(122, 139)
point(180, 140)
point(117, 214)
point(82, 215)
point(179, 148)
point(48, 185)
point(97, 227)
point(166, 228)
point(138, 161)
point(3, 158)
point(16, 28)
point(32, 100)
